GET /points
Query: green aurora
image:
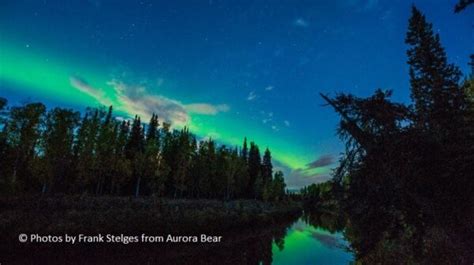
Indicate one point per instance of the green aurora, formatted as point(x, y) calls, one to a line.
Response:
point(304, 244)
point(38, 73)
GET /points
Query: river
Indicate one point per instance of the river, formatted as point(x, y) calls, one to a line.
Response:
point(308, 244)
point(315, 239)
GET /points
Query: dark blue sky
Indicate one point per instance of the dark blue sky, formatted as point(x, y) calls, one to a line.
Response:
point(228, 69)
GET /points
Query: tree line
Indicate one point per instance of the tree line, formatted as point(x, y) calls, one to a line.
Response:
point(406, 178)
point(317, 193)
point(63, 151)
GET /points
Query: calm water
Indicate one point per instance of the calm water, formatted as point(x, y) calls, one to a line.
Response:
point(314, 238)
point(308, 244)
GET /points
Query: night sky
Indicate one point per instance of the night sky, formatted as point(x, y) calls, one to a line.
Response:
point(226, 69)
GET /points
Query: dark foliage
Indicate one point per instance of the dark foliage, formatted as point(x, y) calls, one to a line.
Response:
point(406, 176)
point(58, 152)
point(248, 228)
point(462, 4)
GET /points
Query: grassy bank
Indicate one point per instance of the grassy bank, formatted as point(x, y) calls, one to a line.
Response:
point(84, 214)
point(247, 227)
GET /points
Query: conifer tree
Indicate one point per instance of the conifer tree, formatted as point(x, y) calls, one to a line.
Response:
point(278, 186)
point(211, 162)
point(135, 153)
point(233, 169)
point(85, 151)
point(168, 159)
point(24, 129)
point(434, 82)
point(254, 169)
point(122, 165)
point(3, 110)
point(267, 167)
point(224, 172)
point(184, 150)
point(245, 151)
point(105, 150)
point(201, 171)
point(152, 150)
point(58, 139)
point(99, 155)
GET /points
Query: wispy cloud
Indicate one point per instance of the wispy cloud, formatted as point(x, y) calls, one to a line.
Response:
point(206, 109)
point(84, 87)
point(287, 123)
point(322, 161)
point(251, 96)
point(269, 88)
point(300, 22)
point(314, 172)
point(137, 100)
point(298, 178)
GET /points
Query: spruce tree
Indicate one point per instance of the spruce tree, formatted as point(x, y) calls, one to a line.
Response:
point(152, 149)
point(245, 151)
point(211, 163)
point(105, 153)
point(58, 140)
point(201, 171)
point(122, 165)
point(85, 151)
point(278, 186)
point(24, 129)
point(3, 110)
point(135, 143)
point(167, 163)
point(267, 167)
point(254, 169)
point(184, 154)
point(435, 88)
point(135, 152)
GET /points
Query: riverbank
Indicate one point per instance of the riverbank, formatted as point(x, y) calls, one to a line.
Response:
point(247, 224)
point(87, 214)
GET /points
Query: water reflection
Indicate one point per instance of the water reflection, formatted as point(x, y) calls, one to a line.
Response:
point(309, 239)
point(316, 238)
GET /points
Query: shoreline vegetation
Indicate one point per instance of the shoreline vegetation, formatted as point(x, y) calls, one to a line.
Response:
point(61, 151)
point(249, 225)
point(404, 186)
point(251, 230)
point(122, 215)
point(401, 194)
point(64, 172)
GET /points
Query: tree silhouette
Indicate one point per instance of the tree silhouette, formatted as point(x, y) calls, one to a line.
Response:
point(58, 151)
point(254, 170)
point(406, 174)
point(435, 86)
point(462, 4)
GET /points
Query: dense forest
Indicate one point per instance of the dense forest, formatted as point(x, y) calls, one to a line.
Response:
point(402, 192)
point(405, 181)
point(57, 151)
